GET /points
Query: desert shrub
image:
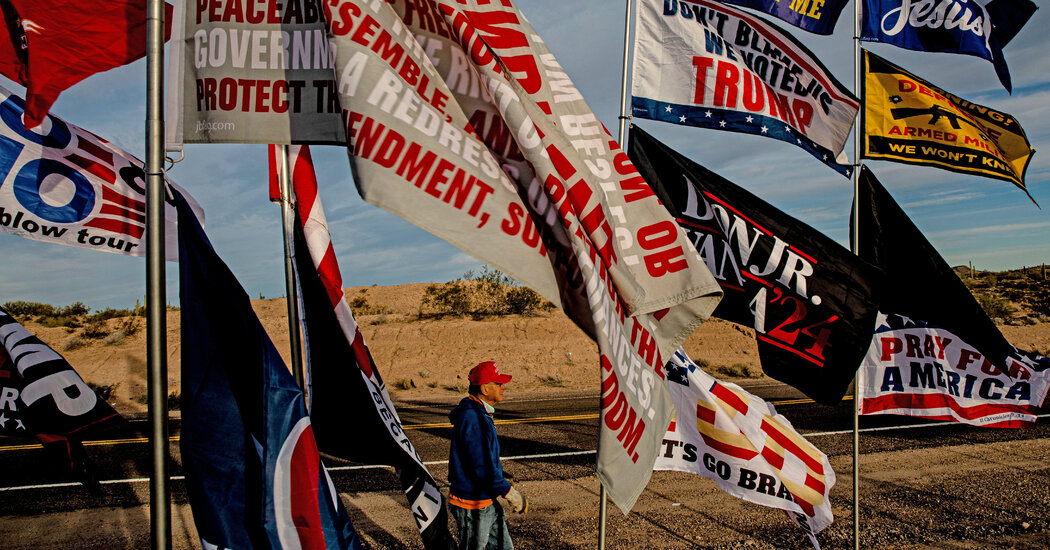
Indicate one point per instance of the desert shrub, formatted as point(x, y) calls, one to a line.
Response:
point(104, 391)
point(73, 310)
point(554, 381)
point(521, 300)
point(736, 370)
point(95, 330)
point(23, 309)
point(452, 298)
point(74, 342)
point(129, 325)
point(116, 337)
point(1041, 302)
point(404, 384)
point(110, 313)
point(174, 400)
point(60, 321)
point(995, 306)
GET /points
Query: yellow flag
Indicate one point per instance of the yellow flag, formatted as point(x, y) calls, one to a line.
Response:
point(907, 119)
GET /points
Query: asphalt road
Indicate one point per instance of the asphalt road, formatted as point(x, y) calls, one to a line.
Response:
point(539, 434)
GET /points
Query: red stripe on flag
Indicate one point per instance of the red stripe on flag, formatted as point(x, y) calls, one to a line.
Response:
point(917, 402)
point(95, 168)
point(123, 200)
point(330, 277)
point(305, 474)
point(117, 226)
point(785, 347)
point(96, 151)
point(730, 398)
point(789, 445)
point(275, 185)
point(116, 210)
point(727, 449)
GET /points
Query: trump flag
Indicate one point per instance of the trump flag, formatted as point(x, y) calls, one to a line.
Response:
point(253, 470)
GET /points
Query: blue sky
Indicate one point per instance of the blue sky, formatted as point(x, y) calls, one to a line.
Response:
point(969, 219)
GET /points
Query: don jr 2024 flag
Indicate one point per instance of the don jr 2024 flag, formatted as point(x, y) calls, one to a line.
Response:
point(68, 186)
point(703, 63)
point(907, 119)
point(460, 120)
point(739, 441)
point(976, 27)
point(935, 353)
point(811, 302)
point(344, 384)
point(254, 475)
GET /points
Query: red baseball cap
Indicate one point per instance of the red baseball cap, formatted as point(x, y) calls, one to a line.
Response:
point(486, 372)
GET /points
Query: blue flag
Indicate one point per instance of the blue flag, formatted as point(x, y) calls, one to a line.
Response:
point(815, 16)
point(952, 26)
point(253, 471)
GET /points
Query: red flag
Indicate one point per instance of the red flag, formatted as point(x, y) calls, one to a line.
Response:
point(51, 45)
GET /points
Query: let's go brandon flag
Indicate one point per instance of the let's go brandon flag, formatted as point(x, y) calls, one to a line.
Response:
point(935, 353)
point(703, 63)
point(62, 184)
point(907, 119)
point(460, 120)
point(740, 442)
point(811, 302)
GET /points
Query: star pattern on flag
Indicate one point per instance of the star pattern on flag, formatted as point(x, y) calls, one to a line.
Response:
point(668, 108)
point(707, 114)
point(750, 119)
point(3, 420)
point(765, 129)
point(681, 118)
point(721, 124)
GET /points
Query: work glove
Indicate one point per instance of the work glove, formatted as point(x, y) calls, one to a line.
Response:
point(516, 500)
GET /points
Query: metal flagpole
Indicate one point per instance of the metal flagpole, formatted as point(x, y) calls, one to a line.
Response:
point(288, 217)
point(855, 246)
point(156, 309)
point(602, 504)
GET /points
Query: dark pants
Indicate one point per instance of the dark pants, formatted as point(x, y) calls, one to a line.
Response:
point(482, 529)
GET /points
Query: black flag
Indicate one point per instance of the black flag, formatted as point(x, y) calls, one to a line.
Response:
point(924, 286)
point(42, 396)
point(811, 302)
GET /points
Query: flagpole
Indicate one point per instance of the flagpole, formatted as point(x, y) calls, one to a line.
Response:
point(156, 309)
point(288, 219)
point(602, 501)
point(855, 246)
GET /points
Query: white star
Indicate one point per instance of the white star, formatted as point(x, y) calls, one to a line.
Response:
point(707, 114)
point(681, 118)
point(721, 124)
point(750, 118)
point(668, 108)
point(765, 129)
point(3, 420)
point(20, 425)
point(798, 141)
point(825, 158)
point(787, 129)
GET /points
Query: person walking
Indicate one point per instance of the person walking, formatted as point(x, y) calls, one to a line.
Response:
point(474, 469)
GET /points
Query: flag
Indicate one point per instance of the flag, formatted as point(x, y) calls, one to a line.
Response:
point(69, 186)
point(907, 119)
point(815, 16)
point(952, 26)
point(50, 45)
point(811, 302)
point(460, 120)
point(251, 73)
point(721, 68)
point(935, 353)
point(343, 381)
point(42, 396)
point(740, 442)
point(254, 475)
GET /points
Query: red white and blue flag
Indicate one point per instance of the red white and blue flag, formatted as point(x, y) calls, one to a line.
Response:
point(344, 383)
point(62, 184)
point(935, 353)
point(253, 470)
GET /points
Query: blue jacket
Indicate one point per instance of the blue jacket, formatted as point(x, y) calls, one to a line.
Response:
point(474, 469)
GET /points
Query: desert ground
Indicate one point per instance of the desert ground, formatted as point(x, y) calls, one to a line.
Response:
point(428, 358)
